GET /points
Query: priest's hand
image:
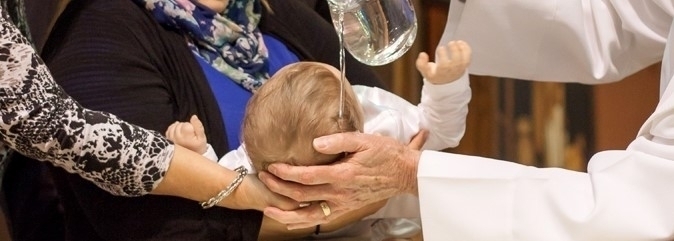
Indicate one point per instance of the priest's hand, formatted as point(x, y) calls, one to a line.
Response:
point(375, 169)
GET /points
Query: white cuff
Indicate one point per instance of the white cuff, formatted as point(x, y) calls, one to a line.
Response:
point(210, 153)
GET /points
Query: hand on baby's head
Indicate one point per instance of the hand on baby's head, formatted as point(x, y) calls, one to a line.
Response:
point(450, 64)
point(190, 135)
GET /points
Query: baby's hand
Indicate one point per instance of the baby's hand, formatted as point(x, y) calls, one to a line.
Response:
point(190, 135)
point(446, 69)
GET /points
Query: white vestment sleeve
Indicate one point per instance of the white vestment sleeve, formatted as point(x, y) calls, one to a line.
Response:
point(626, 195)
point(442, 112)
point(210, 153)
point(587, 41)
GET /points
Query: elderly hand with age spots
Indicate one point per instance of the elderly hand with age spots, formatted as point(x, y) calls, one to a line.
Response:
point(377, 168)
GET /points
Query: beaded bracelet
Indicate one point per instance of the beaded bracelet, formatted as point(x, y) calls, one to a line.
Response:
point(227, 191)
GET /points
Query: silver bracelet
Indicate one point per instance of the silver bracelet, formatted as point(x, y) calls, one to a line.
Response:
point(225, 192)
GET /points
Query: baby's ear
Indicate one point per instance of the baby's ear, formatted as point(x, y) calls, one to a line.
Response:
point(265, 165)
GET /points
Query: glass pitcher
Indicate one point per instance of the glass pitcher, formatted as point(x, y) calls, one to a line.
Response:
point(376, 32)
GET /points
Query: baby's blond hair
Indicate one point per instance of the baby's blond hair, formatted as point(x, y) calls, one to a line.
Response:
point(299, 103)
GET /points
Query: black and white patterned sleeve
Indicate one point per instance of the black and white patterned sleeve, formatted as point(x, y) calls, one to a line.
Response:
point(39, 120)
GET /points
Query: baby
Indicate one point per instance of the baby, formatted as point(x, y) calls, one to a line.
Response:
point(302, 101)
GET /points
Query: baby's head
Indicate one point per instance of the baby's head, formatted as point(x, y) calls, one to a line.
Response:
point(299, 103)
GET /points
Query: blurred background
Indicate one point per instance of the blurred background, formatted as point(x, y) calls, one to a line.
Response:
point(533, 122)
point(536, 123)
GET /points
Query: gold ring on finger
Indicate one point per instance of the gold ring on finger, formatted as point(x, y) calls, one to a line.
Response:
point(325, 208)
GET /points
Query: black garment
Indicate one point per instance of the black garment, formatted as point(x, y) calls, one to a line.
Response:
point(32, 206)
point(112, 56)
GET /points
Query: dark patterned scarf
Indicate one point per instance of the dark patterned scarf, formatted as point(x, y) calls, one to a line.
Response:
point(229, 41)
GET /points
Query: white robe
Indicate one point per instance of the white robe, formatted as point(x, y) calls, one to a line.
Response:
point(442, 111)
point(626, 194)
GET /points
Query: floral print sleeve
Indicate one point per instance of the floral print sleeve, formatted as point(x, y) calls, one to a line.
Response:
point(39, 120)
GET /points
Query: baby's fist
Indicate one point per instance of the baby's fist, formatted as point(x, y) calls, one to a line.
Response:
point(451, 63)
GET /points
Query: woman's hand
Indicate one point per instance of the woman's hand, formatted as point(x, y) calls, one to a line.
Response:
point(377, 168)
point(194, 177)
point(253, 194)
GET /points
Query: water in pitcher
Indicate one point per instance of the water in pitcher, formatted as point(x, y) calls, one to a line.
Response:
point(375, 32)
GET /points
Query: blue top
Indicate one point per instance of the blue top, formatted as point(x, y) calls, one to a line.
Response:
point(232, 98)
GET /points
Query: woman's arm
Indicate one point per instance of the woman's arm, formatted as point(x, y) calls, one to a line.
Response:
point(39, 120)
point(194, 177)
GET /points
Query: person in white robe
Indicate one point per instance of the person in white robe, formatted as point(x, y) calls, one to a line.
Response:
point(625, 194)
